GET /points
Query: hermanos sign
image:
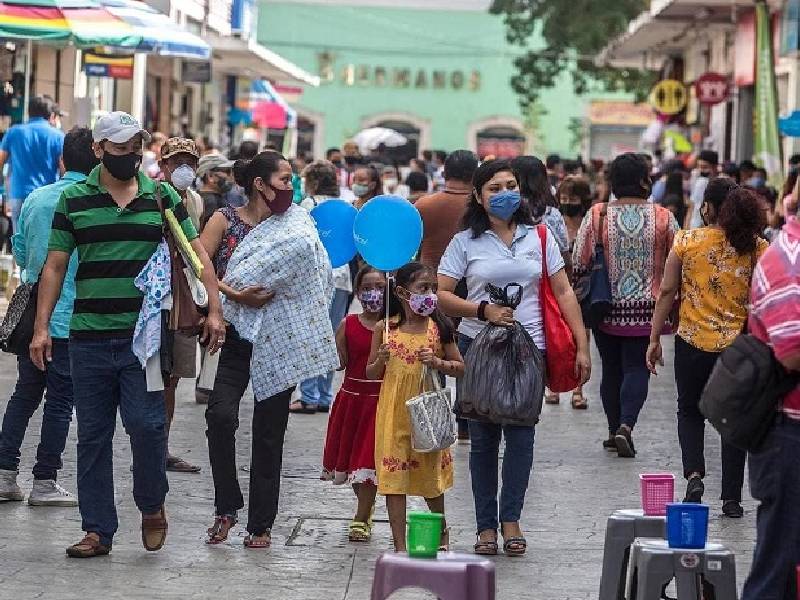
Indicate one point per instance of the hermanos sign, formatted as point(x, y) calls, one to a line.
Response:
point(396, 77)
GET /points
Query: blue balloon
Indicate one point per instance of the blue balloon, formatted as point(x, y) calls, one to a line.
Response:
point(388, 231)
point(334, 219)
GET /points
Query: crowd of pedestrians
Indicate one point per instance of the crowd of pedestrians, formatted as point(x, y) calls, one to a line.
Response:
point(152, 256)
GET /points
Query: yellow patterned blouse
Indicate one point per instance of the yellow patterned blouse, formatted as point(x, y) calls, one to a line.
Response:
point(715, 287)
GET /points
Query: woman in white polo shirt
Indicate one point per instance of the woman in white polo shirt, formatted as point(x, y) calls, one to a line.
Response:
point(500, 245)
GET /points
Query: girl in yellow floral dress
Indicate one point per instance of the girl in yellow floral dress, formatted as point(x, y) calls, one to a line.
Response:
point(418, 335)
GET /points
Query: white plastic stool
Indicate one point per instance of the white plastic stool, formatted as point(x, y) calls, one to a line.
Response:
point(654, 564)
point(622, 528)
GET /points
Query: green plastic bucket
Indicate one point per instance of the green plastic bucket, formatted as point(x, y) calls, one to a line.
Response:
point(424, 534)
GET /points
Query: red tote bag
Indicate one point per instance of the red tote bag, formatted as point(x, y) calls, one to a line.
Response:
point(561, 347)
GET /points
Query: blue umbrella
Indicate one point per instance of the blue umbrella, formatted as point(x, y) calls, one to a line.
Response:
point(159, 34)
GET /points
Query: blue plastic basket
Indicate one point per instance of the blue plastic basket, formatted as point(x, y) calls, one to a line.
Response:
point(687, 525)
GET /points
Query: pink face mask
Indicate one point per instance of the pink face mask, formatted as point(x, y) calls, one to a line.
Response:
point(423, 304)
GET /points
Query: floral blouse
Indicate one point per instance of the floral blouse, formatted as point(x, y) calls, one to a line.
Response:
point(715, 286)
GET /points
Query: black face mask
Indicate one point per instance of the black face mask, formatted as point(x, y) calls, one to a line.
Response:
point(705, 174)
point(224, 185)
point(571, 210)
point(122, 166)
point(351, 160)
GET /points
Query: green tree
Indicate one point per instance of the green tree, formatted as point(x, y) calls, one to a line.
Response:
point(574, 32)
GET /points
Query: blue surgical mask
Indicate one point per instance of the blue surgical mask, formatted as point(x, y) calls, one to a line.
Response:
point(503, 205)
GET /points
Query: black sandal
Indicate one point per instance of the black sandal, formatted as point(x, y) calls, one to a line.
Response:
point(515, 546)
point(485, 547)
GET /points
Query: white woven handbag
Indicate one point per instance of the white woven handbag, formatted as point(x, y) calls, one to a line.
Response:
point(433, 423)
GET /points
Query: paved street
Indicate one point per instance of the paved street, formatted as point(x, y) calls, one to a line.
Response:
point(575, 486)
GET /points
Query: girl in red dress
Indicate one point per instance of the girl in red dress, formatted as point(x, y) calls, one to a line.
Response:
point(349, 455)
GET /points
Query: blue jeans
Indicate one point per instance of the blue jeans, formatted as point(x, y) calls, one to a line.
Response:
point(106, 375)
point(775, 483)
point(625, 380)
point(318, 390)
point(483, 457)
point(517, 466)
point(27, 396)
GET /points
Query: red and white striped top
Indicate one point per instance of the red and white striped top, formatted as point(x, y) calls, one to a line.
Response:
point(775, 316)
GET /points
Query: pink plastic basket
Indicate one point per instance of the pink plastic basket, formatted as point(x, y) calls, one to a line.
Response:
point(658, 490)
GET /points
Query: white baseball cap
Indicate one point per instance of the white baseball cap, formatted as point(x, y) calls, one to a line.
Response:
point(118, 127)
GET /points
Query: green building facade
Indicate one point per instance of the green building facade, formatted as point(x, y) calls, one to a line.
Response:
point(439, 75)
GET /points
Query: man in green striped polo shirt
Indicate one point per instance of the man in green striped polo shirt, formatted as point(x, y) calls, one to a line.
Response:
point(114, 222)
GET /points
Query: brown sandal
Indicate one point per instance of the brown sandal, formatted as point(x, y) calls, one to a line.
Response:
point(551, 398)
point(178, 465)
point(154, 530)
point(258, 542)
point(578, 401)
point(219, 531)
point(88, 547)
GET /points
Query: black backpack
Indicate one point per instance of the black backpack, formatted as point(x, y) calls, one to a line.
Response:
point(744, 391)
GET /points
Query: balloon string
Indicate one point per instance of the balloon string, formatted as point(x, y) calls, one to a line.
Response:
point(386, 302)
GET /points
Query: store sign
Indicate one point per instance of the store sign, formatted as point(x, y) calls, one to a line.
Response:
point(196, 71)
point(115, 66)
point(790, 126)
point(669, 97)
point(712, 88)
point(396, 77)
point(242, 17)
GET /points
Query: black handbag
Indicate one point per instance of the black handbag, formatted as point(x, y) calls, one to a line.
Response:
point(744, 392)
point(16, 331)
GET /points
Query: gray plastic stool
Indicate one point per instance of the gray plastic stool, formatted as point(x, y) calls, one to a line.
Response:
point(451, 576)
point(654, 564)
point(622, 528)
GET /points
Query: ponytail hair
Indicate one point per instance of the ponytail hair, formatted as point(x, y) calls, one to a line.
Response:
point(263, 165)
point(405, 277)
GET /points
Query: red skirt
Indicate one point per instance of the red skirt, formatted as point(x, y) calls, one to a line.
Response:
point(349, 455)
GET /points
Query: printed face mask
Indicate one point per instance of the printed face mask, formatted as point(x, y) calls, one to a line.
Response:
point(423, 304)
point(183, 177)
point(503, 205)
point(371, 300)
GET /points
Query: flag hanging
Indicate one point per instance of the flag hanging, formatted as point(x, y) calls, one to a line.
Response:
point(767, 141)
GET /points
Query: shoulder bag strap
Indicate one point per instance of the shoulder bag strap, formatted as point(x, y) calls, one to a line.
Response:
point(599, 233)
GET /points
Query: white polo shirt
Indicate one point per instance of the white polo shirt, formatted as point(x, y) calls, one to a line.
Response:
point(487, 259)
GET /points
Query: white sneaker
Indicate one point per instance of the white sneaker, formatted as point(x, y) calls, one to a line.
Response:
point(46, 492)
point(9, 490)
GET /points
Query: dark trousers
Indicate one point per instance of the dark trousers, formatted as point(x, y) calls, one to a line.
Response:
point(692, 369)
point(27, 396)
point(775, 483)
point(106, 374)
point(270, 418)
point(625, 378)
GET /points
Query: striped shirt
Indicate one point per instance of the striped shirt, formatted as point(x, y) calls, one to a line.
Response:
point(113, 245)
point(775, 316)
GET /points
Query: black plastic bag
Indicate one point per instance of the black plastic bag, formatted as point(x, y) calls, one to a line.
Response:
point(504, 376)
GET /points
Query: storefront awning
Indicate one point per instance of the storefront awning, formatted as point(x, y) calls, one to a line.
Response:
point(248, 58)
point(668, 27)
